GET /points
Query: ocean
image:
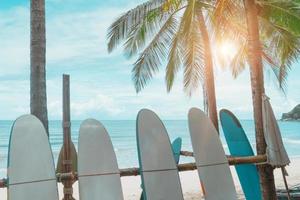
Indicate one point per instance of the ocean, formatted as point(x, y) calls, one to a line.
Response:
point(122, 133)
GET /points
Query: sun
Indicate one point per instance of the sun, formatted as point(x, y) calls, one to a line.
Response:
point(227, 49)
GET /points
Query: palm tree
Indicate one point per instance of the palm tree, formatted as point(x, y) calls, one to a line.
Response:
point(271, 35)
point(268, 32)
point(38, 95)
point(257, 85)
point(172, 30)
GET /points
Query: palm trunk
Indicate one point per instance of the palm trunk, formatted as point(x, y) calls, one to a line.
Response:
point(209, 73)
point(257, 85)
point(38, 95)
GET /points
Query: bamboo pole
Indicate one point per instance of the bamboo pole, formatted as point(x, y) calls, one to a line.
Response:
point(67, 162)
point(187, 153)
point(285, 183)
point(181, 167)
point(126, 172)
point(235, 160)
point(259, 159)
point(72, 177)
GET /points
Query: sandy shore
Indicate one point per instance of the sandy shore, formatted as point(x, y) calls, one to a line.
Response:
point(190, 183)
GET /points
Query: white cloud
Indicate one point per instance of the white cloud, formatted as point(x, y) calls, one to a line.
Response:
point(99, 103)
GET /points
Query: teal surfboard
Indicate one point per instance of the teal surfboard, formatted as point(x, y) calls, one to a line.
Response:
point(176, 146)
point(239, 145)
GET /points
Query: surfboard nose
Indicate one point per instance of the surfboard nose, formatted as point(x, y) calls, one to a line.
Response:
point(26, 122)
point(146, 114)
point(31, 171)
point(159, 172)
point(195, 112)
point(91, 124)
point(196, 115)
point(98, 172)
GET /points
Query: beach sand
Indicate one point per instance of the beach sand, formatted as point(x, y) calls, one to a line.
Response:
point(190, 183)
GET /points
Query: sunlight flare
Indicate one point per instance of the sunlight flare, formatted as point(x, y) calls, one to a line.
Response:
point(227, 50)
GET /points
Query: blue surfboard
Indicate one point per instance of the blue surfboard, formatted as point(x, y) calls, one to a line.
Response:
point(239, 145)
point(176, 147)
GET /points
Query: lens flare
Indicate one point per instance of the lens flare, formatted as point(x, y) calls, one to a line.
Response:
point(226, 50)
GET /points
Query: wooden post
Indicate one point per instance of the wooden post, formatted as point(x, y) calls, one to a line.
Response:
point(67, 162)
point(285, 183)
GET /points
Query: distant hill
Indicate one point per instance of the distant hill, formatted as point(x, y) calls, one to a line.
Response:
point(292, 115)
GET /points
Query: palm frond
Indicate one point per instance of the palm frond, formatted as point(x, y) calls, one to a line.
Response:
point(151, 26)
point(288, 55)
point(283, 13)
point(282, 45)
point(174, 62)
point(193, 51)
point(150, 59)
point(175, 55)
point(135, 40)
point(153, 22)
point(124, 25)
point(228, 19)
point(239, 61)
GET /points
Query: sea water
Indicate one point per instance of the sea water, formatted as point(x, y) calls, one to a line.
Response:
point(123, 136)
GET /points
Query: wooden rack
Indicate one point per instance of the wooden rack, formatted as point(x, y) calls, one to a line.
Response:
point(72, 177)
point(69, 177)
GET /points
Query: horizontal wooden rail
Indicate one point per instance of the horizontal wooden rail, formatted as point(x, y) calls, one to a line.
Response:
point(235, 160)
point(181, 167)
point(260, 159)
point(187, 153)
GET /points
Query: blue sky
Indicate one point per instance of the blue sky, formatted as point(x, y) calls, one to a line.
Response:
point(101, 85)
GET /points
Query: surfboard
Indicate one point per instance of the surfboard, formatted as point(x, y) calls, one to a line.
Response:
point(176, 147)
point(213, 169)
point(239, 145)
point(98, 172)
point(159, 172)
point(31, 170)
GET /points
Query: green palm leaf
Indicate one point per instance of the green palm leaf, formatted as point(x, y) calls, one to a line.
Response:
point(283, 46)
point(150, 59)
point(193, 51)
point(125, 24)
point(174, 61)
point(283, 13)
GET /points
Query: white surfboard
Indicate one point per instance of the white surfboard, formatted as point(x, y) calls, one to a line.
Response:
point(98, 172)
point(31, 171)
point(213, 168)
point(159, 172)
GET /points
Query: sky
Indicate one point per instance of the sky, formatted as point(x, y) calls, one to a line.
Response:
point(101, 84)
